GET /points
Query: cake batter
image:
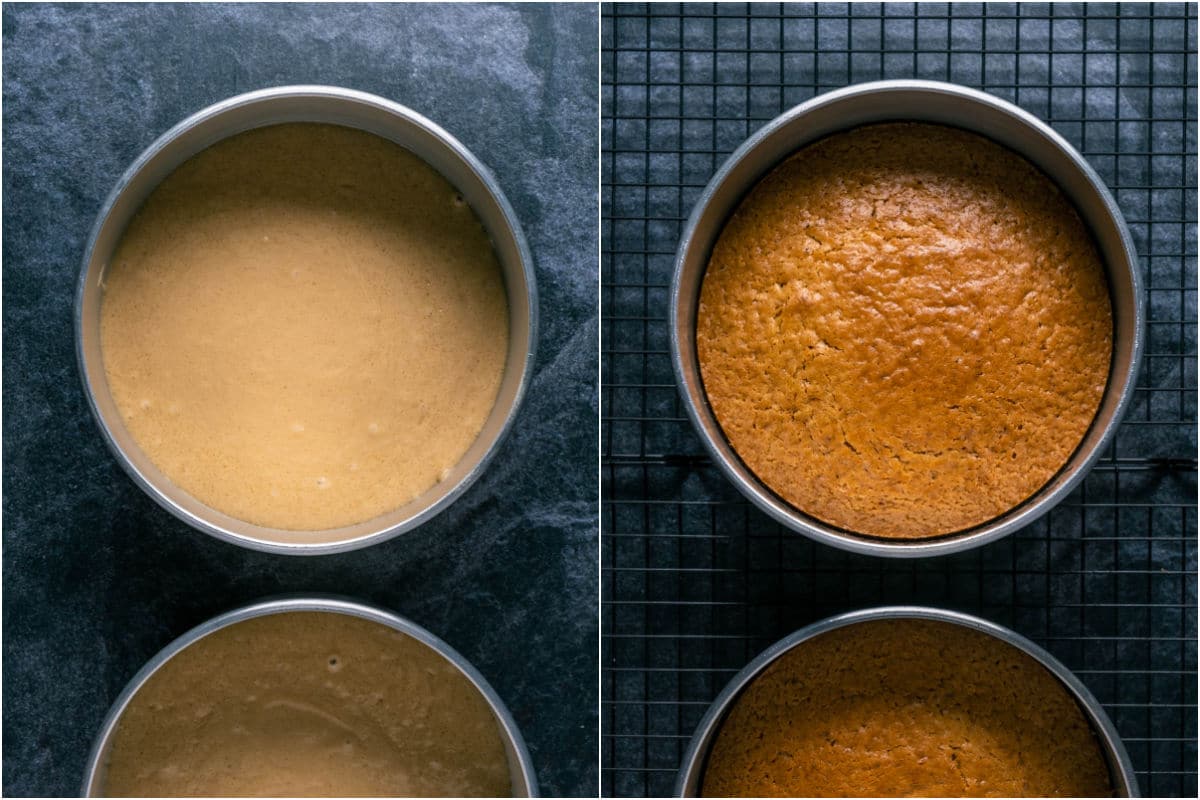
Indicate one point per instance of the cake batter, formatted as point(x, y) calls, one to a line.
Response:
point(306, 704)
point(304, 327)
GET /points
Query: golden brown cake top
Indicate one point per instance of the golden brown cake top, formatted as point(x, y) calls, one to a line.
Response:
point(902, 708)
point(904, 330)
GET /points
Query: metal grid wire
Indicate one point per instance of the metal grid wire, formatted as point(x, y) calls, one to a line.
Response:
point(695, 581)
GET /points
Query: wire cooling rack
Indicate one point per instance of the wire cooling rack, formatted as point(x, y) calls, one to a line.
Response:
point(695, 581)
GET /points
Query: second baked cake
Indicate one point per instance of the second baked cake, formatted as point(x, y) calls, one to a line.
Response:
point(904, 330)
point(905, 708)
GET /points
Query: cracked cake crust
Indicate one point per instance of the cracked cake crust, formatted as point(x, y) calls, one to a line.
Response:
point(904, 330)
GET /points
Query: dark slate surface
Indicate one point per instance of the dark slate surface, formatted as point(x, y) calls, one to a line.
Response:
point(96, 577)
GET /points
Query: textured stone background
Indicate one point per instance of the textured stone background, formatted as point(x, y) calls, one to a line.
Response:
point(96, 576)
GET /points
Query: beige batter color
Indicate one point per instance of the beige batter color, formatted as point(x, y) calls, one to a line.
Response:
point(304, 326)
point(307, 704)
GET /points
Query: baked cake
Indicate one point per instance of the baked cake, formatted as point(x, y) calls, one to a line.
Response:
point(904, 330)
point(898, 708)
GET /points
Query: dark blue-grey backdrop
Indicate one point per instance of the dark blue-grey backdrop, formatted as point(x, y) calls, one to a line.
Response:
point(96, 576)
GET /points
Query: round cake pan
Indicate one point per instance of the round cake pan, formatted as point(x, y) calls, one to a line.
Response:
point(352, 109)
point(524, 780)
point(945, 104)
point(691, 771)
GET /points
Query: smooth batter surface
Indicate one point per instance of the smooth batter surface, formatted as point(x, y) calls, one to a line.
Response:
point(905, 330)
point(307, 704)
point(304, 327)
point(905, 708)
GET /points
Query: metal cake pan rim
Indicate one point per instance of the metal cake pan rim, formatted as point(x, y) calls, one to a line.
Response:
point(695, 402)
point(404, 116)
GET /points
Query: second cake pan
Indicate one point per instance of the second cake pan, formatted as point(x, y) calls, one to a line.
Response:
point(691, 771)
point(524, 780)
